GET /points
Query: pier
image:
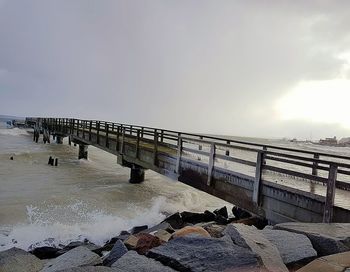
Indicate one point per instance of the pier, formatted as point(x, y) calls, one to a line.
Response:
point(278, 183)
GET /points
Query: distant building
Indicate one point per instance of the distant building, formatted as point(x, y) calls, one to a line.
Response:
point(329, 141)
point(344, 141)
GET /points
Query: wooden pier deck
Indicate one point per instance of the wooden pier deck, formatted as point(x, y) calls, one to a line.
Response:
point(278, 183)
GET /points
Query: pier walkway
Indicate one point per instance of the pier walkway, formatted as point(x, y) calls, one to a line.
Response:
point(278, 183)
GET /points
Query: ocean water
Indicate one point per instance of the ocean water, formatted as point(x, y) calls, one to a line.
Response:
point(45, 205)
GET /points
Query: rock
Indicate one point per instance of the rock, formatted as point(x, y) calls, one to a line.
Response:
point(240, 213)
point(138, 229)
point(249, 237)
point(145, 242)
point(163, 235)
point(293, 247)
point(77, 257)
point(326, 238)
point(124, 232)
point(118, 250)
point(89, 269)
point(45, 252)
point(18, 260)
point(131, 242)
point(175, 221)
point(70, 246)
point(253, 221)
point(222, 220)
point(195, 253)
point(332, 263)
point(162, 226)
point(194, 218)
point(215, 230)
point(191, 230)
point(222, 212)
point(133, 262)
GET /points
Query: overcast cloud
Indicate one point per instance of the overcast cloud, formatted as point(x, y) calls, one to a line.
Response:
point(206, 66)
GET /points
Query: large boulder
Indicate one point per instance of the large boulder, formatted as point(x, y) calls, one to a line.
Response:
point(18, 260)
point(142, 242)
point(195, 253)
point(326, 239)
point(163, 235)
point(138, 229)
point(133, 262)
point(118, 250)
point(332, 263)
point(89, 269)
point(71, 245)
point(293, 247)
point(251, 238)
point(194, 218)
point(77, 257)
point(175, 220)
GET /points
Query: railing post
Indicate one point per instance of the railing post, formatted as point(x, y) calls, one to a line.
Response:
point(329, 203)
point(83, 128)
point(264, 161)
point(137, 144)
point(78, 122)
point(200, 146)
point(117, 144)
point(315, 165)
point(227, 153)
point(211, 164)
point(161, 135)
point(155, 150)
point(122, 143)
point(260, 161)
point(179, 153)
point(98, 132)
point(142, 132)
point(130, 130)
point(90, 128)
point(107, 140)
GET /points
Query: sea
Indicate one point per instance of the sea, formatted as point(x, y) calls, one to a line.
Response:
point(43, 205)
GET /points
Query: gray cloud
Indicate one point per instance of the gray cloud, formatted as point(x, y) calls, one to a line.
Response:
point(210, 66)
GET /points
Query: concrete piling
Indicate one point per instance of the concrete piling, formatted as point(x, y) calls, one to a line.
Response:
point(137, 174)
point(83, 152)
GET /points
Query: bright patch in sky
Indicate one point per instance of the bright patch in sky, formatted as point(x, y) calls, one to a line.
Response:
point(325, 101)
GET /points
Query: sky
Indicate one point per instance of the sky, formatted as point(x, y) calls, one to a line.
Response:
point(247, 68)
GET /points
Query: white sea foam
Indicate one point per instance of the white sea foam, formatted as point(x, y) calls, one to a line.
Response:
point(49, 227)
point(13, 131)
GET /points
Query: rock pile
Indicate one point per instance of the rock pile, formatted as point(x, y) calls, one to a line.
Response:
point(209, 241)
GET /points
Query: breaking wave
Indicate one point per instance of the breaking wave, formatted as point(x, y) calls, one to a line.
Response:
point(13, 131)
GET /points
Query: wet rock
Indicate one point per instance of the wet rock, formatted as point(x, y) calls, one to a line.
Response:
point(163, 235)
point(118, 250)
point(191, 230)
point(145, 242)
point(18, 260)
point(45, 252)
point(138, 229)
point(258, 222)
point(89, 269)
point(249, 237)
point(133, 262)
point(77, 257)
point(240, 213)
point(162, 226)
point(194, 253)
point(194, 218)
point(293, 247)
point(326, 239)
point(222, 220)
point(70, 246)
point(175, 220)
point(331, 263)
point(222, 212)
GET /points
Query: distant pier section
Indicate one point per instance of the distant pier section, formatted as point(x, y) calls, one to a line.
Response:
point(277, 183)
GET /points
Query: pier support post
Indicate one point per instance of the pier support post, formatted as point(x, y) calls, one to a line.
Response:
point(59, 139)
point(83, 152)
point(137, 174)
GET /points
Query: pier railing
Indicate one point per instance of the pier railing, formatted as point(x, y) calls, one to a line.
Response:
point(261, 161)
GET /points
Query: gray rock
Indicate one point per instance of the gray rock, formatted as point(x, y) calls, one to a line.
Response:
point(326, 239)
point(77, 257)
point(196, 253)
point(250, 237)
point(89, 269)
point(293, 247)
point(133, 262)
point(118, 250)
point(18, 260)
